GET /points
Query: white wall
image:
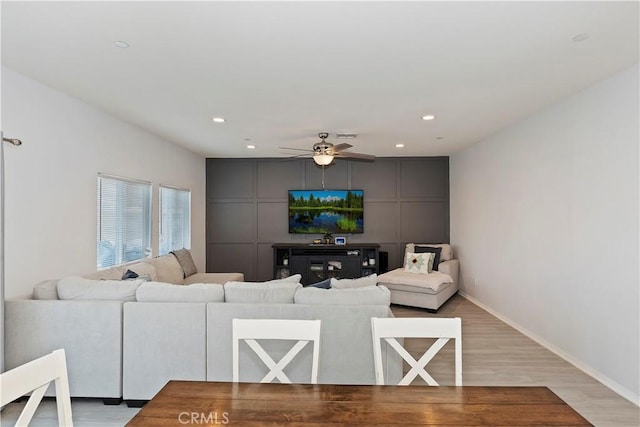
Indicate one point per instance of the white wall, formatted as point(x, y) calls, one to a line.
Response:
point(544, 219)
point(50, 216)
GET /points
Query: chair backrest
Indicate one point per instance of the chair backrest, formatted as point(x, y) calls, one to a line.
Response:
point(251, 330)
point(426, 327)
point(35, 377)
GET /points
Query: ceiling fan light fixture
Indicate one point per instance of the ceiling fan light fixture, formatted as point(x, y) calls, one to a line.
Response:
point(322, 159)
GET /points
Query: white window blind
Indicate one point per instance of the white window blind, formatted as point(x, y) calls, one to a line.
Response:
point(124, 220)
point(175, 219)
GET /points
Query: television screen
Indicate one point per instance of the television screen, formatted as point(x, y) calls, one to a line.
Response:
point(326, 211)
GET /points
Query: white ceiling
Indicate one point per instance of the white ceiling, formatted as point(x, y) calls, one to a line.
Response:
point(280, 72)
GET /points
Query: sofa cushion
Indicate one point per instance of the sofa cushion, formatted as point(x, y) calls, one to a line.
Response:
point(436, 254)
point(113, 273)
point(196, 292)
point(47, 290)
point(186, 261)
point(368, 295)
point(213, 278)
point(168, 269)
point(294, 278)
point(80, 288)
point(360, 282)
point(399, 276)
point(273, 292)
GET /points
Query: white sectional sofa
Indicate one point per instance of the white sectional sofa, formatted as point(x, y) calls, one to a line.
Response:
point(90, 330)
point(129, 349)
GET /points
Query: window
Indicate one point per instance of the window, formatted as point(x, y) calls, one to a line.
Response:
point(175, 219)
point(124, 220)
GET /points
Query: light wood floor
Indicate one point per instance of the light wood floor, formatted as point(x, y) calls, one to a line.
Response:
point(493, 354)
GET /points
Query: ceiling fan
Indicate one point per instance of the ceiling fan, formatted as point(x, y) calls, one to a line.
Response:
point(323, 152)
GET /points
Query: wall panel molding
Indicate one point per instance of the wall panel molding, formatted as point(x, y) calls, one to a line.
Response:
point(406, 199)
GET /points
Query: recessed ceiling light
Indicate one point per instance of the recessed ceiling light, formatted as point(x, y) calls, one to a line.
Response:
point(581, 37)
point(399, 145)
point(121, 44)
point(218, 120)
point(428, 117)
point(251, 147)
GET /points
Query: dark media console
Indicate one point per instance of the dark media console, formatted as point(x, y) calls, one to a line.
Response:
point(318, 262)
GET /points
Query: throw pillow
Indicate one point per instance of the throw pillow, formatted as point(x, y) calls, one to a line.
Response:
point(434, 250)
point(418, 263)
point(361, 282)
point(129, 275)
point(186, 261)
point(46, 290)
point(325, 284)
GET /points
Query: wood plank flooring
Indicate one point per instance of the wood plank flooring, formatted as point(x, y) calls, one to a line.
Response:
point(493, 354)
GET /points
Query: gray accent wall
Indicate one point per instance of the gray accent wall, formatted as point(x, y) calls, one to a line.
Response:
point(406, 200)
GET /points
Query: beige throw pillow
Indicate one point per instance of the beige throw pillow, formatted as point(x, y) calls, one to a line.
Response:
point(186, 261)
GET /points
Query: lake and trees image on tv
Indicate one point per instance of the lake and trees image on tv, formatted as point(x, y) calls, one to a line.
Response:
point(326, 211)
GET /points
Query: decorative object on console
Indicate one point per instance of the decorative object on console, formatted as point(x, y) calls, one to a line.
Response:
point(340, 240)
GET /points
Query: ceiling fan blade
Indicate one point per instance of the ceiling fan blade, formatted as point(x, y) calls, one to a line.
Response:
point(340, 147)
point(356, 156)
point(295, 149)
point(298, 156)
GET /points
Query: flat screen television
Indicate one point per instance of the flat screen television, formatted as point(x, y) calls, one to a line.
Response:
point(326, 211)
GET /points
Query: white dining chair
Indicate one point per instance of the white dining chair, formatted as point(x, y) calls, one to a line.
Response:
point(35, 377)
point(443, 329)
point(252, 330)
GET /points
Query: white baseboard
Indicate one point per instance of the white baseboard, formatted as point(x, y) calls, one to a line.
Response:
point(598, 376)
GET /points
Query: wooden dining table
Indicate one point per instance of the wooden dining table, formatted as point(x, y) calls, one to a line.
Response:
point(199, 403)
